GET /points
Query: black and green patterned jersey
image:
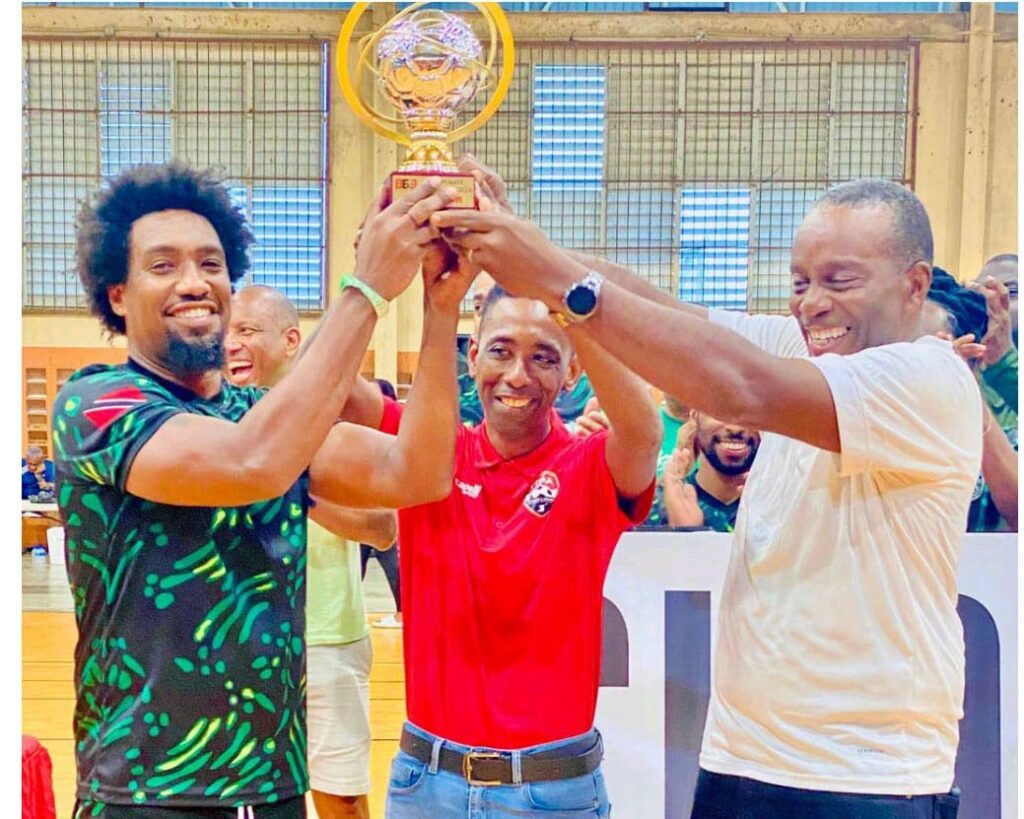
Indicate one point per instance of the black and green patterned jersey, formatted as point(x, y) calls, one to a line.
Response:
point(983, 514)
point(569, 405)
point(190, 665)
point(718, 516)
point(471, 412)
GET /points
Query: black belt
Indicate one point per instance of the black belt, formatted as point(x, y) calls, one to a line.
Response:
point(495, 767)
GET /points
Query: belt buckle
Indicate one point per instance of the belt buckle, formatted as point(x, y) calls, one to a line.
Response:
point(467, 767)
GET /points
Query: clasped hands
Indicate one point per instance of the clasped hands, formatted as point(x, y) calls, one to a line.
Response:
point(453, 246)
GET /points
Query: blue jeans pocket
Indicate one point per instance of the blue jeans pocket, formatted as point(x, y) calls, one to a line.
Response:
point(407, 774)
point(577, 797)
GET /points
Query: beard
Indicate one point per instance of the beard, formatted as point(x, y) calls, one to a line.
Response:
point(194, 356)
point(730, 470)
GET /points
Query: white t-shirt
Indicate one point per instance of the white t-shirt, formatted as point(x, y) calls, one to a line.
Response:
point(839, 661)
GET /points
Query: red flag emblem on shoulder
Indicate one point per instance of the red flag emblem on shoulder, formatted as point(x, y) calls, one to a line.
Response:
point(109, 407)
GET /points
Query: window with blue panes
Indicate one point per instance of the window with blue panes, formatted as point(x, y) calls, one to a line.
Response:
point(694, 166)
point(104, 112)
point(135, 115)
point(567, 168)
point(714, 246)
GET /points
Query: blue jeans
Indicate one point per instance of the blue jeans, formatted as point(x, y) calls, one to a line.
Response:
point(417, 790)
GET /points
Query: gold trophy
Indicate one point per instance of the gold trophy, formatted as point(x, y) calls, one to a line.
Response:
point(429, 65)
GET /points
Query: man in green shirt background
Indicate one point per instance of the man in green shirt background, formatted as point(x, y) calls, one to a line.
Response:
point(997, 282)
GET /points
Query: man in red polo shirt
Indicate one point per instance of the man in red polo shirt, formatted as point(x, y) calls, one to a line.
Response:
point(502, 581)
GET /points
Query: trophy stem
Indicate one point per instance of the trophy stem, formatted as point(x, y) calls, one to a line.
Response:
point(429, 152)
point(430, 156)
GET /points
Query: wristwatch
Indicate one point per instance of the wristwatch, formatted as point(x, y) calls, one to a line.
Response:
point(581, 299)
point(377, 301)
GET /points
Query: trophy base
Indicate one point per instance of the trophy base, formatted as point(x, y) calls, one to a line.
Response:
point(404, 181)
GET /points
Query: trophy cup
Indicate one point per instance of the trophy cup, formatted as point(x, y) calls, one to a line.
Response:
point(429, 65)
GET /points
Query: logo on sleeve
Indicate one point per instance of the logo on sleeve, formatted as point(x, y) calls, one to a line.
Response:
point(109, 407)
point(542, 494)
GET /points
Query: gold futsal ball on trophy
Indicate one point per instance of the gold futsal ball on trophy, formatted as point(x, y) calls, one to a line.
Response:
point(429, 65)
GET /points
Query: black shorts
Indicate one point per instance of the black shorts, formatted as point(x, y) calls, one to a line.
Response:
point(720, 796)
point(294, 808)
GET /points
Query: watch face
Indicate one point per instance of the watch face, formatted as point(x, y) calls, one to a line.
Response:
point(581, 300)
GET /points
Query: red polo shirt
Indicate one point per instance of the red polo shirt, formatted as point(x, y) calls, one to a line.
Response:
point(502, 589)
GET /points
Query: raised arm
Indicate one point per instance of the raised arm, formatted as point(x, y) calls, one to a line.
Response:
point(365, 402)
point(375, 527)
point(494, 187)
point(193, 460)
point(628, 280)
point(634, 438)
point(999, 468)
point(361, 467)
point(713, 369)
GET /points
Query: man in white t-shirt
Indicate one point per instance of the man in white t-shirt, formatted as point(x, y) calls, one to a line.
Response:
point(839, 664)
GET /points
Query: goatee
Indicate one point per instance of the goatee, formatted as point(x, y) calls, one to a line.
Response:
point(194, 356)
point(730, 470)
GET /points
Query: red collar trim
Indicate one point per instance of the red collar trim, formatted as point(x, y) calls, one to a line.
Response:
point(485, 456)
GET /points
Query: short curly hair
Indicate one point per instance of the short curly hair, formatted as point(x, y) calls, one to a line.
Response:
point(912, 232)
point(105, 222)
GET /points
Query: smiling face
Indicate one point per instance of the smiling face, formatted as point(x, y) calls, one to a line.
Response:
point(521, 360)
point(261, 340)
point(729, 449)
point(177, 294)
point(849, 289)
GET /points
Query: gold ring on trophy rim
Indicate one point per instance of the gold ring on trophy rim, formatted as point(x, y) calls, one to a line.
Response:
point(490, 11)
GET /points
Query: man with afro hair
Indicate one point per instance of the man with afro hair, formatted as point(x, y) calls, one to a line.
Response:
point(186, 498)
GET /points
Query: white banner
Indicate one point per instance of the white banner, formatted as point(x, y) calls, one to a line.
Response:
point(664, 589)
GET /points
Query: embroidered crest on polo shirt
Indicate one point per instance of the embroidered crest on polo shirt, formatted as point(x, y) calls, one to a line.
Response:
point(542, 494)
point(470, 490)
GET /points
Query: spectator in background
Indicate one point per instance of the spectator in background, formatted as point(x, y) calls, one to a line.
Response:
point(263, 341)
point(710, 494)
point(703, 475)
point(263, 337)
point(387, 557)
point(997, 282)
point(37, 473)
point(960, 315)
point(1003, 268)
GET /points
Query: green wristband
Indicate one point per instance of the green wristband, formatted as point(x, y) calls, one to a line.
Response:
point(377, 301)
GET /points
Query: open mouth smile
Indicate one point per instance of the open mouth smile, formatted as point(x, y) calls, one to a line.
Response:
point(513, 403)
point(821, 339)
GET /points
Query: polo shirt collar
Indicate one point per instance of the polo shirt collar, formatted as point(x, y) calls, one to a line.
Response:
point(487, 457)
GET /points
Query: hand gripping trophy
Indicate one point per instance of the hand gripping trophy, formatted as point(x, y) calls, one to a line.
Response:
point(429, 65)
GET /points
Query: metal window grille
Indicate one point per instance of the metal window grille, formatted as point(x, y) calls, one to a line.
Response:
point(598, 6)
point(255, 110)
point(711, 154)
point(714, 241)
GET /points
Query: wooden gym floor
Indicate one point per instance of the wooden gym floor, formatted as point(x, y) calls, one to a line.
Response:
point(47, 695)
